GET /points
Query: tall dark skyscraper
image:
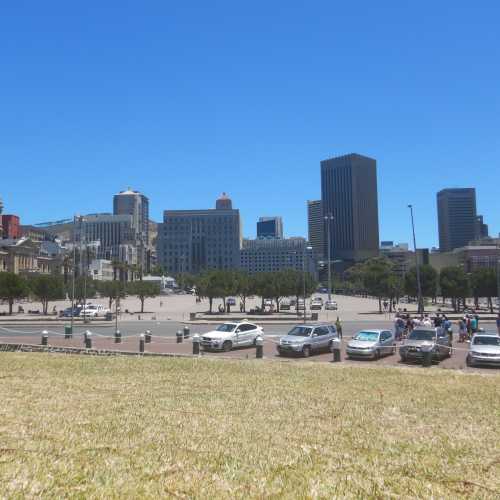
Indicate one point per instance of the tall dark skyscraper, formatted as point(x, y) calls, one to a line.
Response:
point(349, 193)
point(270, 228)
point(457, 217)
point(316, 228)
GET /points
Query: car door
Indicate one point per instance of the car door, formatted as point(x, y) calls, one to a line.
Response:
point(321, 339)
point(250, 334)
point(387, 341)
point(246, 334)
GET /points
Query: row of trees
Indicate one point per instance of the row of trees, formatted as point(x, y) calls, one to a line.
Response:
point(221, 284)
point(47, 288)
point(377, 277)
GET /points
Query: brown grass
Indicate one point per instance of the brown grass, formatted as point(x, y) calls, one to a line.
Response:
point(132, 428)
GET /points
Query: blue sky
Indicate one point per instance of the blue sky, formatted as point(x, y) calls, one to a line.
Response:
point(184, 100)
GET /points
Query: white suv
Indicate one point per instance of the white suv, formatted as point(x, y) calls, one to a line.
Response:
point(229, 335)
point(93, 310)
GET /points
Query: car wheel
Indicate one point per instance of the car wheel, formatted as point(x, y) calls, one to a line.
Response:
point(227, 345)
point(393, 349)
point(403, 358)
point(376, 354)
point(468, 361)
point(306, 351)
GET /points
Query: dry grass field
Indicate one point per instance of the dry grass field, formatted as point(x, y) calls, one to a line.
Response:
point(86, 427)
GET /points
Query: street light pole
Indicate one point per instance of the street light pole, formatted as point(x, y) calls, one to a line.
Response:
point(417, 264)
point(328, 219)
point(74, 270)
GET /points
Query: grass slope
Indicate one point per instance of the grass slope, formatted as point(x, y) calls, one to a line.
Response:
point(115, 427)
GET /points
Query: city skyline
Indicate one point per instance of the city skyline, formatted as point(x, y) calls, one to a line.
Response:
point(135, 99)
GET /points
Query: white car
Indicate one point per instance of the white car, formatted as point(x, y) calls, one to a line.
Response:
point(229, 335)
point(484, 349)
point(331, 305)
point(93, 310)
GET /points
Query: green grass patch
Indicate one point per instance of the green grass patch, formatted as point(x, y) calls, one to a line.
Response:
point(91, 427)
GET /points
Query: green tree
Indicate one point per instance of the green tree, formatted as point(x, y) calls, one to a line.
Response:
point(208, 285)
point(12, 287)
point(483, 282)
point(283, 284)
point(112, 290)
point(143, 290)
point(263, 286)
point(376, 275)
point(428, 281)
point(454, 284)
point(245, 286)
point(46, 288)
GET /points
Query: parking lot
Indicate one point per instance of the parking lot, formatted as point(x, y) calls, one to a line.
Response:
point(164, 341)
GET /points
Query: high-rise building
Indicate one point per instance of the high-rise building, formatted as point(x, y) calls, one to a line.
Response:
point(190, 241)
point(10, 226)
point(349, 194)
point(270, 228)
point(481, 228)
point(316, 228)
point(270, 255)
point(136, 205)
point(457, 217)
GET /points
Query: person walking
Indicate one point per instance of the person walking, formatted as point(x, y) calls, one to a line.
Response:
point(462, 330)
point(338, 326)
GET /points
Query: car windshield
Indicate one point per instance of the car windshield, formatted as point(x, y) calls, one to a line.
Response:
point(487, 340)
point(300, 331)
point(226, 327)
point(366, 336)
point(422, 335)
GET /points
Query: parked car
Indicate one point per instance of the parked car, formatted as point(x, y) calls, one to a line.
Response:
point(306, 339)
point(371, 344)
point(93, 310)
point(285, 305)
point(423, 339)
point(484, 349)
point(67, 313)
point(229, 335)
point(316, 304)
point(331, 305)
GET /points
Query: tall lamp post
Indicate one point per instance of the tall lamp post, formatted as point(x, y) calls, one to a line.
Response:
point(306, 250)
point(328, 220)
point(417, 264)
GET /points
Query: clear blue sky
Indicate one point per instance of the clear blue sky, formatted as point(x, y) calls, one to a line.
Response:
point(184, 100)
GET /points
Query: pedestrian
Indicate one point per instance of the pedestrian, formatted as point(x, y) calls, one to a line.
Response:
point(338, 326)
point(462, 330)
point(473, 324)
point(448, 328)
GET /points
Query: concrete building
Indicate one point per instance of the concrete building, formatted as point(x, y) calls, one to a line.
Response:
point(471, 257)
point(316, 228)
point(112, 235)
point(190, 241)
point(136, 205)
point(101, 269)
point(259, 256)
point(400, 256)
point(349, 194)
point(457, 218)
point(481, 228)
point(270, 228)
point(23, 256)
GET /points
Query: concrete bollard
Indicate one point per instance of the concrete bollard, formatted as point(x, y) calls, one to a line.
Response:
point(88, 340)
point(141, 343)
point(118, 337)
point(196, 344)
point(45, 337)
point(336, 351)
point(187, 332)
point(179, 336)
point(427, 358)
point(147, 336)
point(68, 332)
point(259, 347)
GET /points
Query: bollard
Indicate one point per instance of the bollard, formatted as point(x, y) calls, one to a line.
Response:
point(88, 340)
point(141, 343)
point(259, 347)
point(196, 344)
point(118, 337)
point(179, 336)
point(147, 336)
point(427, 358)
point(45, 337)
point(187, 332)
point(68, 332)
point(336, 350)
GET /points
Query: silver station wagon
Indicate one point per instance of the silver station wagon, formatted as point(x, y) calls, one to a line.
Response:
point(371, 344)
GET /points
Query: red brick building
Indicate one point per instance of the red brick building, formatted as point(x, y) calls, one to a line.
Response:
point(11, 227)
